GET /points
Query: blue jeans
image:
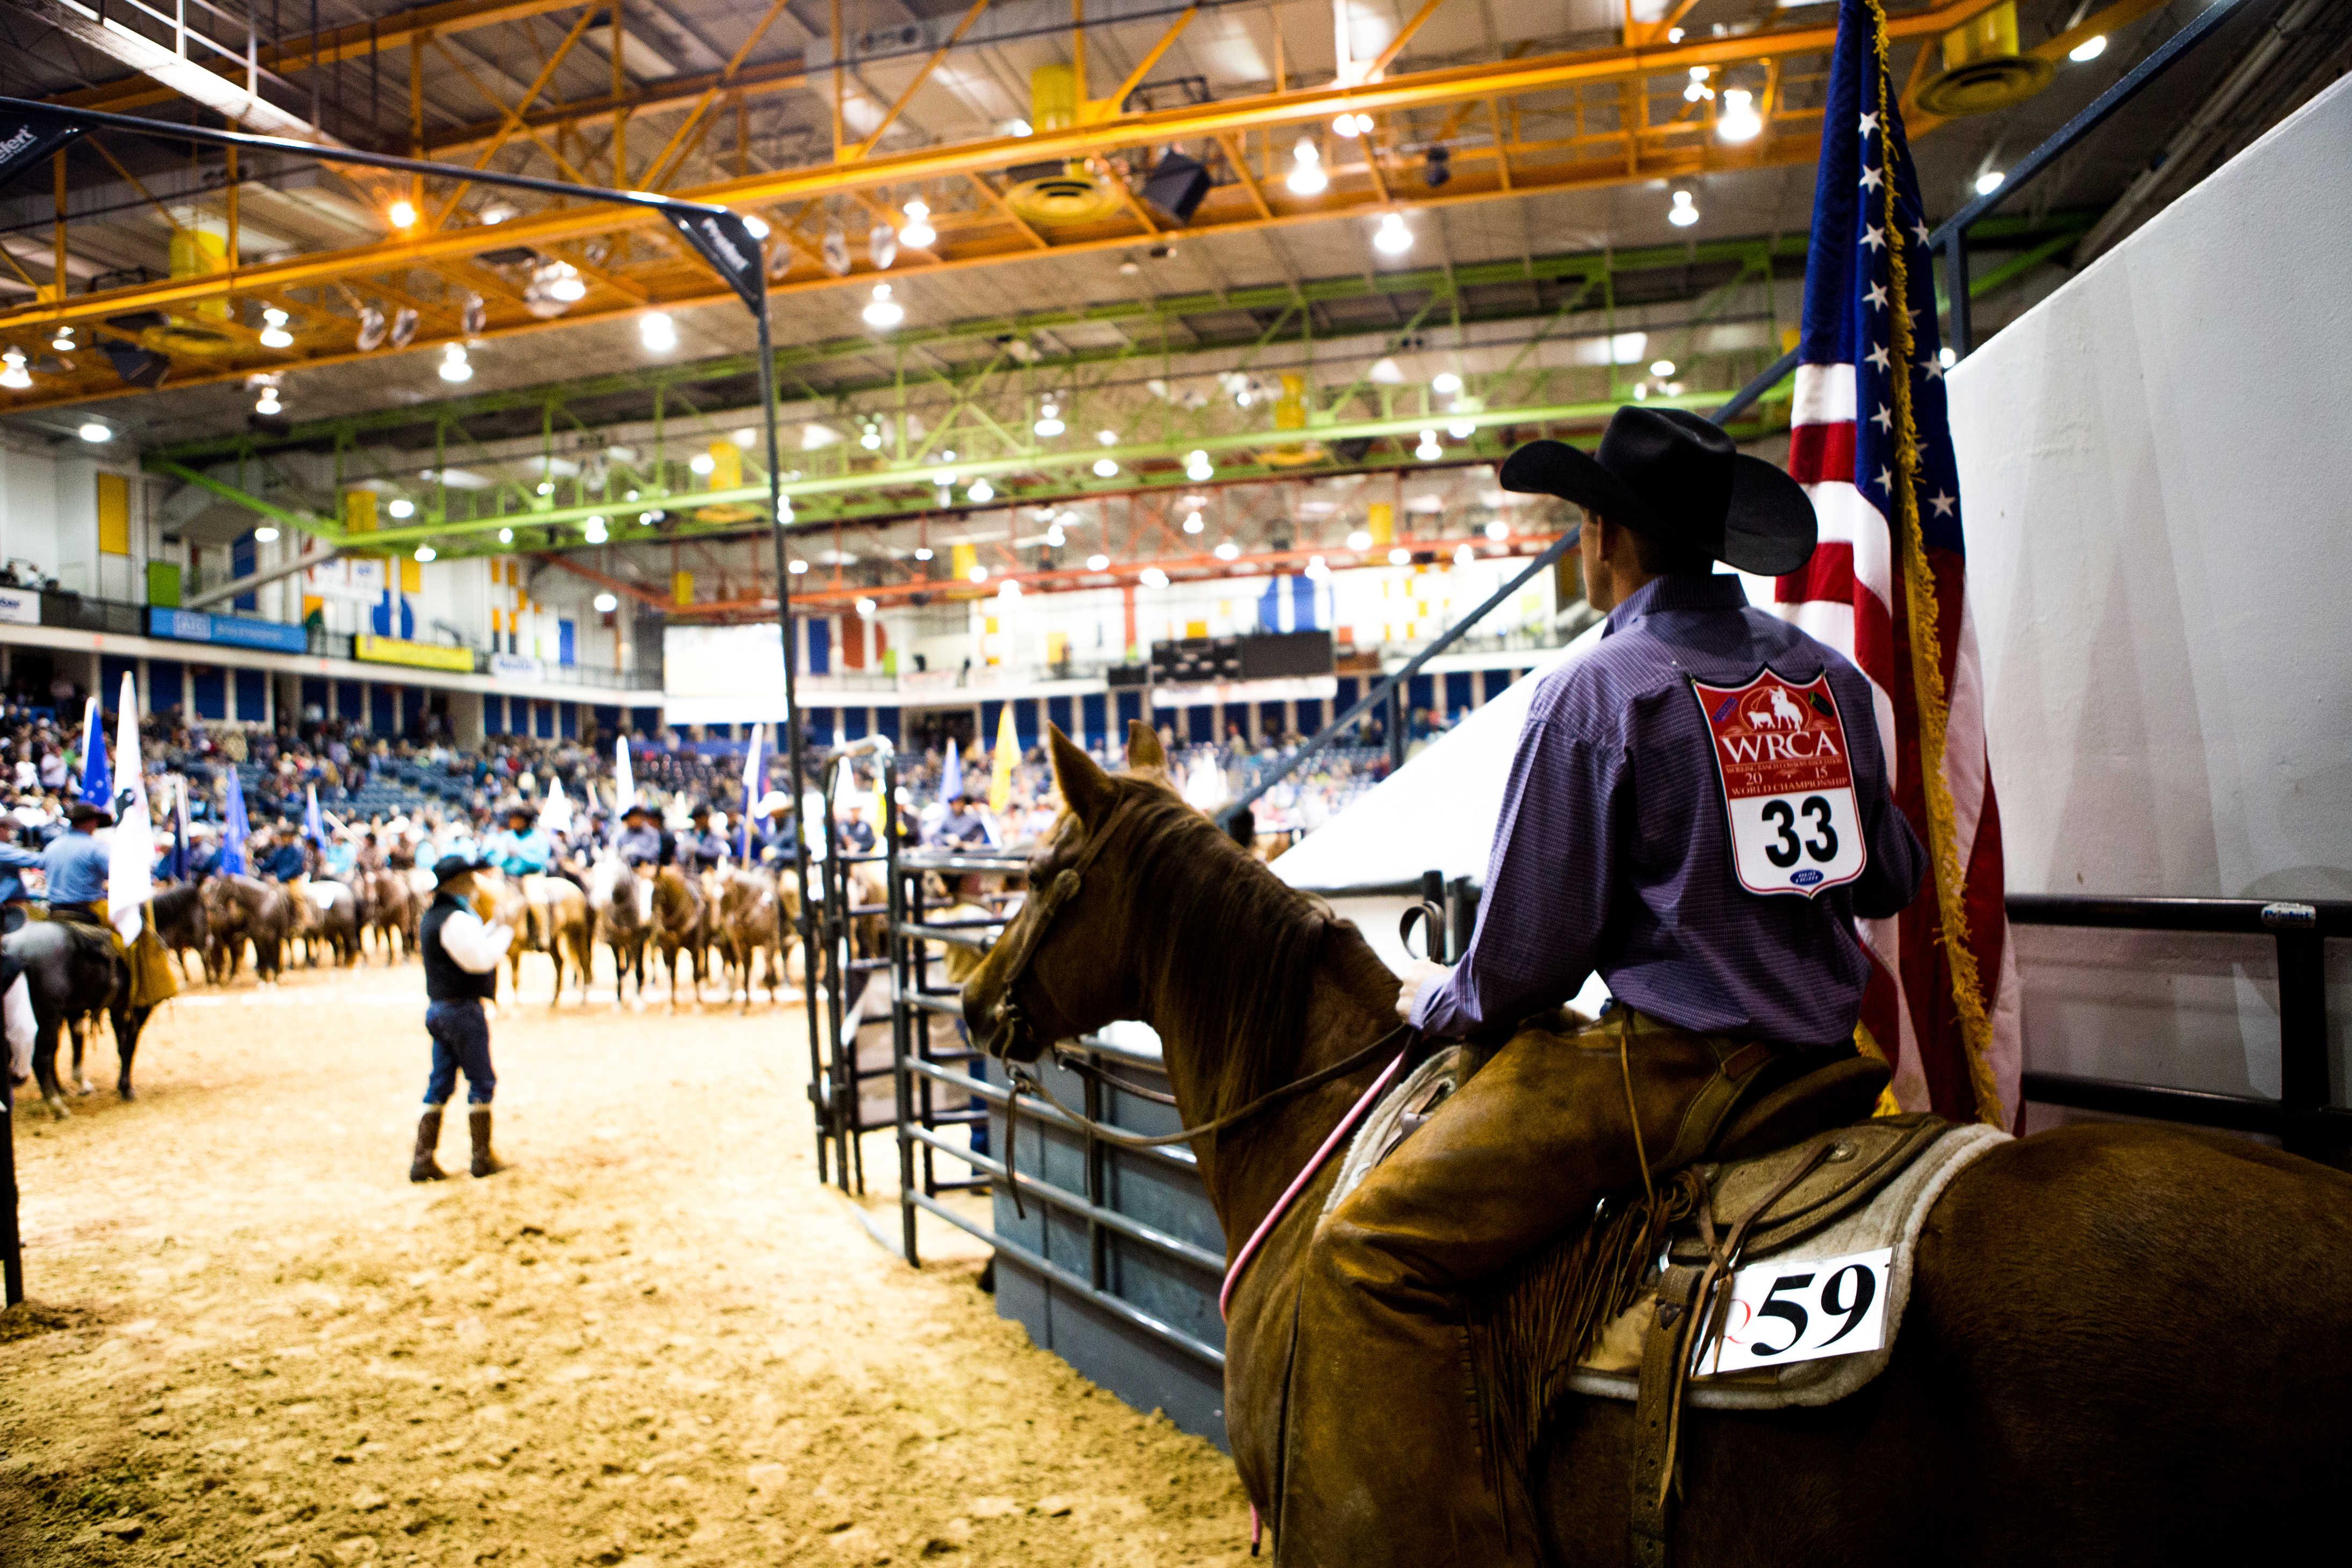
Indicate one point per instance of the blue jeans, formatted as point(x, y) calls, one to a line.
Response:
point(461, 1042)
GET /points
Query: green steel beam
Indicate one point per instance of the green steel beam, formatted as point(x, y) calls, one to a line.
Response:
point(1589, 266)
point(300, 521)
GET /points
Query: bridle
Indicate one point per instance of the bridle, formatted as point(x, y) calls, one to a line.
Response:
point(1022, 1079)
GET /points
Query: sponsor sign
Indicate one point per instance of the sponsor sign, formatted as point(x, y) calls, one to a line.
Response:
point(230, 631)
point(517, 667)
point(1781, 757)
point(419, 655)
point(20, 606)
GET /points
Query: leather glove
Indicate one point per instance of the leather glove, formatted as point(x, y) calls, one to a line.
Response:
point(1418, 974)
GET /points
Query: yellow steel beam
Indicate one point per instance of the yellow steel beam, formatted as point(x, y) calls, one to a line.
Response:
point(658, 170)
point(396, 31)
point(513, 116)
point(672, 92)
point(1112, 105)
point(890, 115)
point(1405, 36)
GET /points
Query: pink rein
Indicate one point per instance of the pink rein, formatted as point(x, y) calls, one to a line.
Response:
point(1282, 1205)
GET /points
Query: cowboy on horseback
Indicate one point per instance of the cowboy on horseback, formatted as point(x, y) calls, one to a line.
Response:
point(74, 866)
point(1629, 846)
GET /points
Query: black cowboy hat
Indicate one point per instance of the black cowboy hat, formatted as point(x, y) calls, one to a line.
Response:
point(636, 809)
point(519, 809)
point(1676, 478)
point(448, 868)
point(83, 811)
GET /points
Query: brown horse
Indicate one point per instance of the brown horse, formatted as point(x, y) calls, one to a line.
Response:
point(681, 925)
point(747, 920)
point(558, 926)
point(240, 909)
point(2124, 1344)
point(620, 910)
point(390, 905)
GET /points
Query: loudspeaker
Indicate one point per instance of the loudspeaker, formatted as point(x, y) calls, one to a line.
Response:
point(137, 367)
point(1175, 187)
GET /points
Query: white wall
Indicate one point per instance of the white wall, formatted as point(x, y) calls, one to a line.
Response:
point(2154, 464)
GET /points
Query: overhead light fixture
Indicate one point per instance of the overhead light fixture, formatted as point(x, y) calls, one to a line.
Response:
point(274, 334)
point(1353, 125)
point(506, 536)
point(1055, 538)
point(1498, 530)
point(1105, 468)
point(97, 435)
point(797, 568)
point(495, 212)
point(1306, 176)
point(1018, 127)
point(978, 573)
point(881, 247)
point(401, 508)
point(1227, 550)
point(265, 535)
point(1193, 524)
point(1662, 366)
point(1106, 438)
point(1682, 214)
point(1738, 122)
point(455, 366)
point(1989, 182)
point(646, 519)
point(1318, 568)
point(1392, 238)
point(871, 438)
point(923, 552)
point(1429, 451)
point(1008, 590)
point(866, 608)
point(1049, 418)
point(1400, 556)
point(1360, 540)
point(13, 374)
point(403, 214)
point(1098, 563)
point(594, 533)
point(425, 552)
point(754, 224)
point(2089, 49)
point(1196, 466)
point(1698, 90)
point(606, 603)
point(1946, 357)
point(918, 235)
point(702, 463)
point(658, 332)
point(267, 403)
point(1462, 430)
point(1153, 577)
point(64, 340)
point(748, 436)
point(883, 312)
point(1464, 555)
point(1445, 383)
point(1387, 373)
point(982, 491)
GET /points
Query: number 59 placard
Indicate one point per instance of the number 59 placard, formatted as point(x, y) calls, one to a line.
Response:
point(1804, 1309)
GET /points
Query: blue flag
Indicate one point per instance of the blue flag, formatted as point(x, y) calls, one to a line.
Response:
point(313, 828)
point(97, 779)
point(234, 830)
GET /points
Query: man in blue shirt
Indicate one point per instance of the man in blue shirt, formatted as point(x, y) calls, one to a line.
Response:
point(75, 866)
point(522, 848)
point(1697, 811)
point(641, 842)
point(13, 861)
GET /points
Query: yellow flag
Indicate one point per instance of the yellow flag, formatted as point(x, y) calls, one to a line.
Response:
point(1008, 747)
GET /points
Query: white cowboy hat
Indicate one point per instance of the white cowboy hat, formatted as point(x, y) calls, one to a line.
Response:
point(773, 801)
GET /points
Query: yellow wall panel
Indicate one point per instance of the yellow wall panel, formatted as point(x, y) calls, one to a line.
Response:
point(113, 514)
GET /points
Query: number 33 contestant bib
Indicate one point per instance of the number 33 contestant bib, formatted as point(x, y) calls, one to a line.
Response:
point(1781, 757)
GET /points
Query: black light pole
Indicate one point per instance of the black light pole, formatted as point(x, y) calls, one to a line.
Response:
point(792, 749)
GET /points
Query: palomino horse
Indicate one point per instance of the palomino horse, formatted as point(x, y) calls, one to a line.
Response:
point(2125, 1344)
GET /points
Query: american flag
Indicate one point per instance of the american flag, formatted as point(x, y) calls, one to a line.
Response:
point(1871, 443)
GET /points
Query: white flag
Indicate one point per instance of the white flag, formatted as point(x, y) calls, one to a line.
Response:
point(130, 859)
point(556, 814)
point(752, 777)
point(624, 788)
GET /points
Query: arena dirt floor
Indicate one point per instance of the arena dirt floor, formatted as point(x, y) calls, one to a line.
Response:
point(655, 1339)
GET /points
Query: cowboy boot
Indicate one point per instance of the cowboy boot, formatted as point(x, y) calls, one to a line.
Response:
point(477, 1122)
point(423, 1167)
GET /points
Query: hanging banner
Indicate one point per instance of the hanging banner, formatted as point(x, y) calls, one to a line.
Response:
point(232, 630)
point(419, 655)
point(722, 240)
point(27, 137)
point(20, 606)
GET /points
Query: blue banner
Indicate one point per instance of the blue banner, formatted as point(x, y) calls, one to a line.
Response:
point(232, 630)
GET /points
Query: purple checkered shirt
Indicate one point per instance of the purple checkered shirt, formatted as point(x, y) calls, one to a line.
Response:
point(1612, 855)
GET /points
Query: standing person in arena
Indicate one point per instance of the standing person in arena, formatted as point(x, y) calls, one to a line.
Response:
point(1722, 920)
point(461, 973)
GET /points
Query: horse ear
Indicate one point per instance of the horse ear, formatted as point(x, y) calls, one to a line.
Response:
point(1143, 750)
point(1085, 788)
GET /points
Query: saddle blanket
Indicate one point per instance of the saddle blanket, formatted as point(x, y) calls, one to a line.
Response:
point(1889, 1220)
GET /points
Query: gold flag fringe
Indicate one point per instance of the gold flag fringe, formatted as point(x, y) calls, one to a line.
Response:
point(1927, 652)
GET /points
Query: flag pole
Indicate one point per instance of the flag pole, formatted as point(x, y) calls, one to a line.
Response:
point(1921, 624)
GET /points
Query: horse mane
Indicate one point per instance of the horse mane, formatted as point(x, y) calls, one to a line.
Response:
point(1231, 948)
